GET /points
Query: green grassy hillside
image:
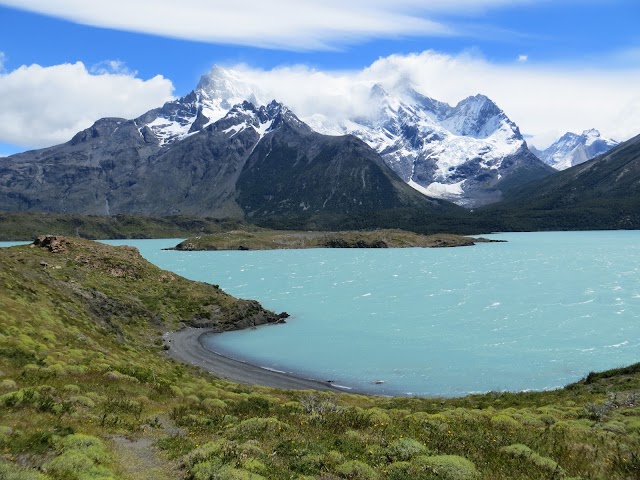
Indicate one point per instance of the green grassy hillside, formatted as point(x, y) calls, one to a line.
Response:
point(87, 392)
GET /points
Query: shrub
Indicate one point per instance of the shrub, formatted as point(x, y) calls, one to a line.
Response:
point(597, 412)
point(82, 401)
point(92, 447)
point(205, 470)
point(214, 404)
point(615, 427)
point(250, 448)
point(334, 458)
point(214, 470)
point(319, 405)
point(446, 467)
point(398, 471)
point(5, 433)
point(356, 470)
point(253, 465)
point(523, 452)
point(431, 423)
point(378, 417)
point(11, 472)
point(505, 422)
point(311, 463)
point(404, 449)
point(258, 427)
point(8, 384)
point(205, 453)
point(176, 391)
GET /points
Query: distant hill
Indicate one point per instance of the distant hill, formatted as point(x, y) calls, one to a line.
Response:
point(603, 193)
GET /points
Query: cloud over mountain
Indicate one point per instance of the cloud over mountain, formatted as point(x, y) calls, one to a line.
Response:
point(544, 100)
point(41, 106)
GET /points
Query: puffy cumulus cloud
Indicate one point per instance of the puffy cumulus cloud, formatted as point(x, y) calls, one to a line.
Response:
point(41, 106)
point(546, 101)
point(288, 24)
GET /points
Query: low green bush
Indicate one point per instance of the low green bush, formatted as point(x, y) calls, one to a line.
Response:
point(404, 449)
point(258, 427)
point(445, 467)
point(354, 469)
point(523, 452)
point(11, 472)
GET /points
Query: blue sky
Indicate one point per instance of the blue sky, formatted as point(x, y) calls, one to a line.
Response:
point(164, 54)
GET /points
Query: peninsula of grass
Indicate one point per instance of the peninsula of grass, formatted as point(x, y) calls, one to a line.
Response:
point(88, 392)
point(263, 239)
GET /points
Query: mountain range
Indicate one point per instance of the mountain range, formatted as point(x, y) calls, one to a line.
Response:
point(572, 149)
point(222, 151)
point(467, 154)
point(253, 162)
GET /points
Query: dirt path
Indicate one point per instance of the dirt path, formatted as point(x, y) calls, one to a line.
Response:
point(141, 460)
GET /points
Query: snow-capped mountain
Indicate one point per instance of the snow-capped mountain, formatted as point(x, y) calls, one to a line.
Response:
point(572, 149)
point(217, 92)
point(466, 154)
point(255, 162)
point(456, 153)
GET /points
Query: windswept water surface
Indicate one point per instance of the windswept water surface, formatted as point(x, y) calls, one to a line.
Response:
point(537, 312)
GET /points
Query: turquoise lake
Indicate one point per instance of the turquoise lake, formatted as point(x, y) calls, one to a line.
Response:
point(535, 313)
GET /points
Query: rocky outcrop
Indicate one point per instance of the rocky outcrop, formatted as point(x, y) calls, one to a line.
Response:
point(53, 243)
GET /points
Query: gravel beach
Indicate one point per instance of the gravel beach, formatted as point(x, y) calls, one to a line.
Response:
point(185, 346)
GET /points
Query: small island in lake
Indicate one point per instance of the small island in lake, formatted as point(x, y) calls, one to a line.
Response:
point(263, 239)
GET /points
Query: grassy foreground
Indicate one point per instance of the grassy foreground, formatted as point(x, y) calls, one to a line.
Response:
point(86, 392)
point(264, 239)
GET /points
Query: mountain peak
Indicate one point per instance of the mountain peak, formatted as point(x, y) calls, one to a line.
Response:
point(216, 77)
point(572, 149)
point(479, 117)
point(592, 132)
point(228, 87)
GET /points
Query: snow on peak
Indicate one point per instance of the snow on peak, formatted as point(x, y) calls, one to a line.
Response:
point(572, 149)
point(226, 88)
point(217, 92)
point(263, 119)
point(478, 117)
point(592, 135)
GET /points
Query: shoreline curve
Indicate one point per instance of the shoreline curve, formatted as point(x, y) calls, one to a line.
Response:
point(186, 346)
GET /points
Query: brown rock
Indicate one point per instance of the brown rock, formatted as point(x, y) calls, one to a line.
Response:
point(53, 243)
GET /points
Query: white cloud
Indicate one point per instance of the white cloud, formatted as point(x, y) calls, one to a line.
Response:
point(288, 24)
point(523, 58)
point(117, 67)
point(545, 101)
point(3, 58)
point(41, 106)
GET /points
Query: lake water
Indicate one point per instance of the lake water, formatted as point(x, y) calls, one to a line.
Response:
point(535, 313)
